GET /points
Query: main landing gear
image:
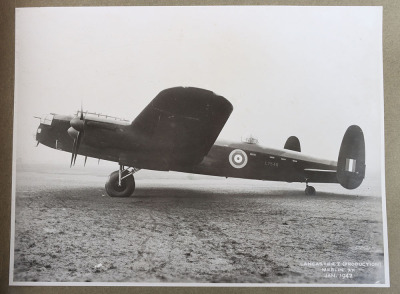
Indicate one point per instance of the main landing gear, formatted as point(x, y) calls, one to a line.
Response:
point(121, 183)
point(310, 190)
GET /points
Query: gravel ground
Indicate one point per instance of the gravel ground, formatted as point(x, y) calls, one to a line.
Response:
point(204, 230)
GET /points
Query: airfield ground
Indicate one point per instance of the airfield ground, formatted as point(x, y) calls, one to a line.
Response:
point(193, 230)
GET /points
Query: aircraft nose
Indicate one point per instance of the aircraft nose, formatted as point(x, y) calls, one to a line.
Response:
point(42, 132)
point(38, 132)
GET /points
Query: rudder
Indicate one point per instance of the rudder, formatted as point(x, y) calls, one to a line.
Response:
point(293, 143)
point(351, 161)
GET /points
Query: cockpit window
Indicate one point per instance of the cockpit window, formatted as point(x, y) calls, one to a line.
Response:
point(46, 120)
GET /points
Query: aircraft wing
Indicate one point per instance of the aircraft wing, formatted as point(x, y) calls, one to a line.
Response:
point(180, 125)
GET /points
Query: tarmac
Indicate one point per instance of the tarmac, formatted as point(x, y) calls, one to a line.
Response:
point(193, 230)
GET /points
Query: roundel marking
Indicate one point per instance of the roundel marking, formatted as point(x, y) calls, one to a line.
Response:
point(238, 158)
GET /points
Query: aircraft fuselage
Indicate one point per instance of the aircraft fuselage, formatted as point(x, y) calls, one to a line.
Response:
point(114, 142)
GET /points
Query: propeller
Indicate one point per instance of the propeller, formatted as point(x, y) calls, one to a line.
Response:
point(76, 131)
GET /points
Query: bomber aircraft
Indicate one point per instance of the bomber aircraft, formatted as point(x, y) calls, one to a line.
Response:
point(177, 131)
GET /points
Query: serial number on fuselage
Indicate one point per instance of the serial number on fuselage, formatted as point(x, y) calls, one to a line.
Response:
point(272, 164)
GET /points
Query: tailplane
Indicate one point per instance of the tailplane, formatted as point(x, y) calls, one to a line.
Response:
point(351, 161)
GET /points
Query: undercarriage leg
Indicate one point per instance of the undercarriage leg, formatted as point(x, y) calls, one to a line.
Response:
point(121, 169)
point(126, 172)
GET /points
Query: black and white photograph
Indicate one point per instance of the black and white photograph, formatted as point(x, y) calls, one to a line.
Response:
point(199, 146)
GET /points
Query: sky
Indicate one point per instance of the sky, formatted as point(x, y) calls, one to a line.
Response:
point(304, 71)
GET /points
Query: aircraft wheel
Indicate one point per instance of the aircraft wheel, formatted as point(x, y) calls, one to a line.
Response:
point(310, 191)
point(125, 190)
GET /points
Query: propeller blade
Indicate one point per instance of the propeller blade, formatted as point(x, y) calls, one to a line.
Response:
point(76, 131)
point(85, 161)
point(81, 111)
point(78, 143)
point(72, 152)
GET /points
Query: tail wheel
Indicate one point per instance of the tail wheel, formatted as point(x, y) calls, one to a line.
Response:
point(125, 189)
point(310, 191)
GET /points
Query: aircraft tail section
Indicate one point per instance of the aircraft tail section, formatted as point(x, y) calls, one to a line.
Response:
point(292, 143)
point(351, 161)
